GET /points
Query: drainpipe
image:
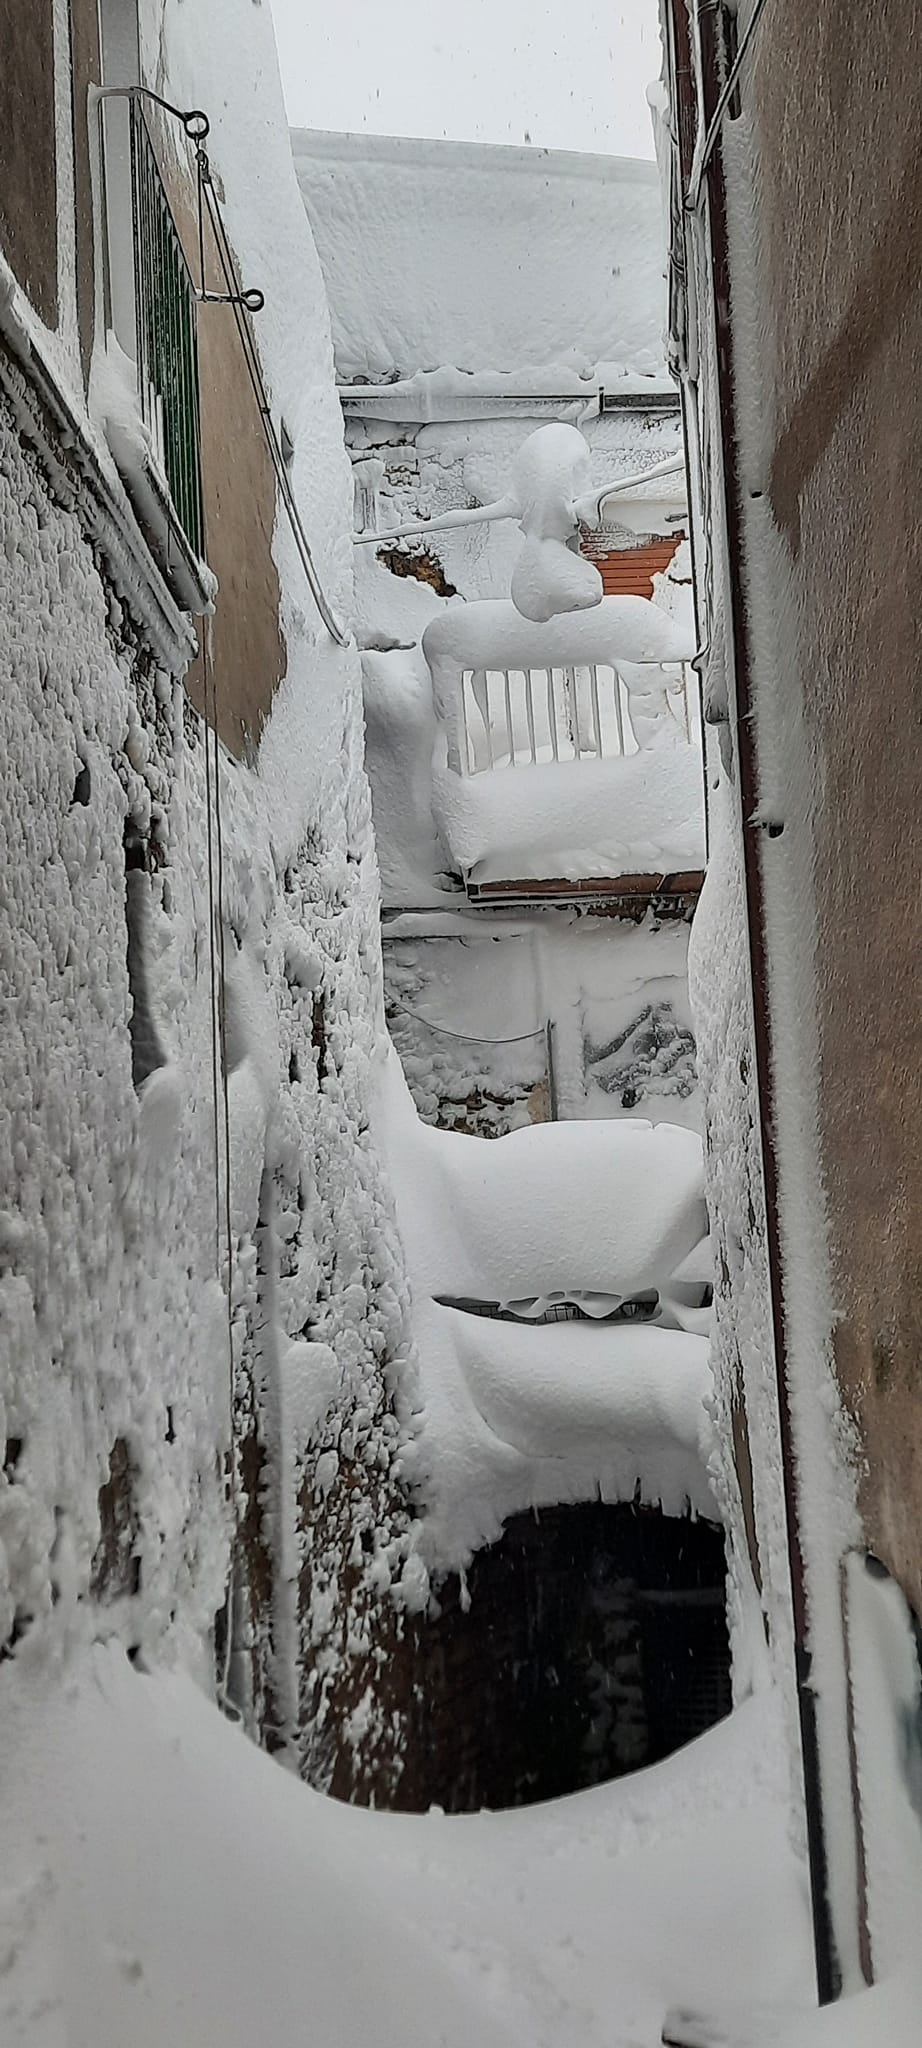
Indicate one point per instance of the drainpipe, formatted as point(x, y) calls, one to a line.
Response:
point(826, 1951)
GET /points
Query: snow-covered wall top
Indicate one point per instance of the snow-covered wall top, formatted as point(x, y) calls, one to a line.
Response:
point(484, 257)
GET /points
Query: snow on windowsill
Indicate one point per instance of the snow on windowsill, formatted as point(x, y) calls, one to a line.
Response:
point(114, 405)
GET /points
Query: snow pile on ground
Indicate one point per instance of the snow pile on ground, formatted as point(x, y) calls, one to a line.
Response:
point(164, 1881)
point(483, 257)
point(516, 1417)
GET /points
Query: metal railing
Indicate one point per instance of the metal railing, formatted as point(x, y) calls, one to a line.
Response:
point(524, 717)
point(167, 348)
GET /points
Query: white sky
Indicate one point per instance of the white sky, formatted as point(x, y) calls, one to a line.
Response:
point(563, 74)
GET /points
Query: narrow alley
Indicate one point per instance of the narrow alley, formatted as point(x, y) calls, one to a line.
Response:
point(459, 1572)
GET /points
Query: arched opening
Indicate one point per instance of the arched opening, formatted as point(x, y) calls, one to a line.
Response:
point(589, 1641)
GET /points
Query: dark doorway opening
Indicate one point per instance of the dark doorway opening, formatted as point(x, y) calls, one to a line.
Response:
point(587, 1642)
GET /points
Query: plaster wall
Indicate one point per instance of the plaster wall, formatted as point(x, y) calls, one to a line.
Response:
point(838, 202)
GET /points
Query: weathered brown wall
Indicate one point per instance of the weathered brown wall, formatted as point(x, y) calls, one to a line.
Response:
point(28, 206)
point(238, 485)
point(838, 105)
point(84, 40)
point(239, 494)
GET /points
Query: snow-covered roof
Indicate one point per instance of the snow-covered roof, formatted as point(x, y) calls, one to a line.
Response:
point(484, 257)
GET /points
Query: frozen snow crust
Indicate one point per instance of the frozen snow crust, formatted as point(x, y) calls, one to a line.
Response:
point(516, 1417)
point(164, 1882)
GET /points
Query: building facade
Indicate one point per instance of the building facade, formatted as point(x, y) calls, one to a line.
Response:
point(789, 347)
point(206, 1360)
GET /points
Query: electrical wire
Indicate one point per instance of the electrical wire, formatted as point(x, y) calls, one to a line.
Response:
point(215, 839)
point(704, 148)
point(465, 1037)
point(238, 302)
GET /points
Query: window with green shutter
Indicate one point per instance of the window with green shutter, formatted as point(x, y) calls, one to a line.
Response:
point(167, 352)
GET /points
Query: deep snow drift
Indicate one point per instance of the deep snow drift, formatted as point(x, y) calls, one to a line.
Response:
point(164, 1881)
point(516, 1416)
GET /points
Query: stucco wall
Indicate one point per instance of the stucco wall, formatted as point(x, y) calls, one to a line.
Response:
point(839, 214)
point(238, 492)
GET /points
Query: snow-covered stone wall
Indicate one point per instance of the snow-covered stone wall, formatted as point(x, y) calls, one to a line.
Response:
point(117, 1345)
point(113, 1320)
point(205, 1370)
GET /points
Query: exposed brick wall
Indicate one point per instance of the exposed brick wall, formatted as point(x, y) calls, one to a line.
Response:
point(629, 572)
